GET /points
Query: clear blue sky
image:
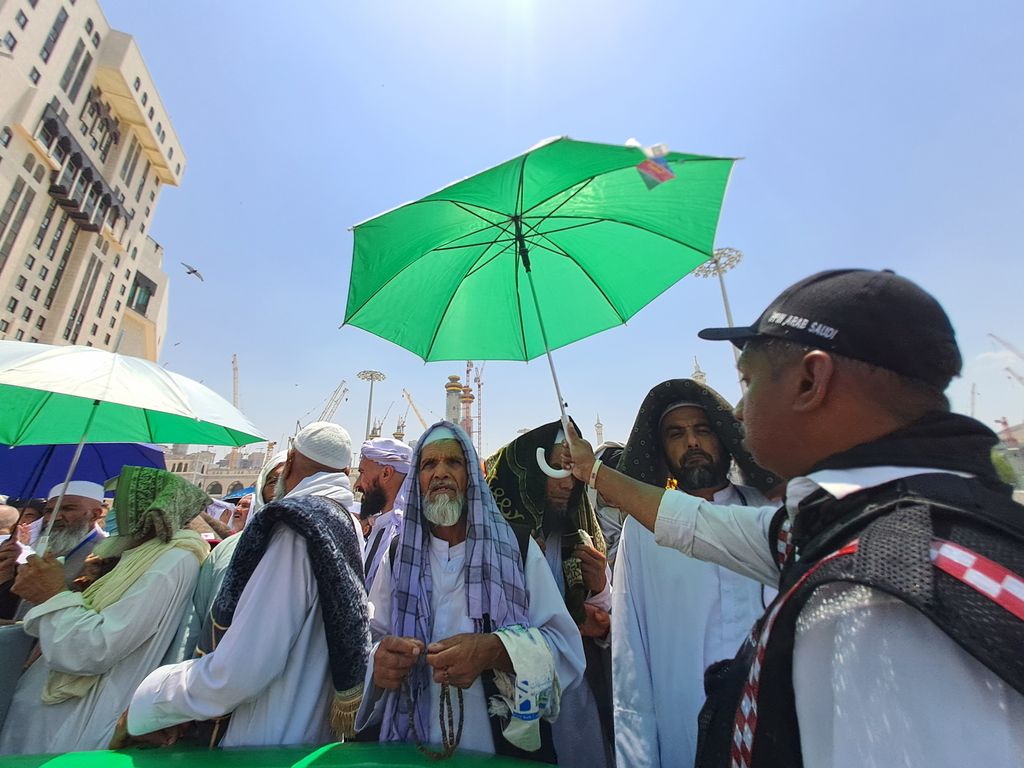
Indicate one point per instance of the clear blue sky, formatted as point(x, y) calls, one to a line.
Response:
point(874, 134)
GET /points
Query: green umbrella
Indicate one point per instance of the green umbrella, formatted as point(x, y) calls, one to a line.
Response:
point(560, 243)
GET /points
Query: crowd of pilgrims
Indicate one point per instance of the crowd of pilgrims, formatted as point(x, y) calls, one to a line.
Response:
point(557, 601)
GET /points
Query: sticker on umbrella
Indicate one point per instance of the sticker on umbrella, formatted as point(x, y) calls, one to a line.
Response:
point(654, 170)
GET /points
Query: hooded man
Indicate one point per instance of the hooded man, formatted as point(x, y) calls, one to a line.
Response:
point(556, 511)
point(282, 653)
point(675, 616)
point(97, 645)
point(383, 467)
point(899, 553)
point(468, 605)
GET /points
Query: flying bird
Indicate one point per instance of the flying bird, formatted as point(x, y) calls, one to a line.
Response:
point(192, 271)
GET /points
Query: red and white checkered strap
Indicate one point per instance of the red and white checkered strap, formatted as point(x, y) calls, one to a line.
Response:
point(1000, 585)
point(994, 581)
point(784, 543)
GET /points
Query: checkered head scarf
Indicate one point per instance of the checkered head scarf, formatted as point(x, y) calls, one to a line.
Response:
point(494, 578)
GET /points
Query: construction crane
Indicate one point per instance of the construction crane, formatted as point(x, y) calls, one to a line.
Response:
point(339, 394)
point(478, 379)
point(234, 382)
point(1007, 436)
point(399, 433)
point(415, 410)
point(1008, 345)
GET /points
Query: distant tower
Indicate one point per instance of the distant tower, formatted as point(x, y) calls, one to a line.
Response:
point(466, 399)
point(453, 394)
point(599, 430)
point(698, 375)
point(399, 433)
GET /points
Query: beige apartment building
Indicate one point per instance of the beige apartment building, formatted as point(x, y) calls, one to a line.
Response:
point(86, 147)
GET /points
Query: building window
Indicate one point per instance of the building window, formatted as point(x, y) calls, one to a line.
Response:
point(106, 339)
point(92, 331)
point(30, 162)
point(117, 306)
point(19, 335)
point(138, 84)
point(34, 339)
point(5, 136)
point(34, 76)
point(117, 261)
point(88, 25)
point(27, 314)
point(4, 325)
point(21, 18)
point(159, 129)
point(69, 70)
point(38, 175)
point(145, 98)
point(12, 304)
point(30, 261)
point(43, 272)
point(96, 39)
point(20, 283)
point(177, 170)
point(53, 35)
point(112, 321)
point(142, 291)
point(123, 289)
point(79, 79)
point(35, 292)
point(40, 322)
point(151, 113)
point(10, 41)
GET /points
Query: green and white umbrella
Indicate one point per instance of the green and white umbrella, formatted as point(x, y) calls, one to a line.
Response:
point(75, 394)
point(560, 243)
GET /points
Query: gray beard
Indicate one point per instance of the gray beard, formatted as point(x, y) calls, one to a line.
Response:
point(444, 510)
point(63, 540)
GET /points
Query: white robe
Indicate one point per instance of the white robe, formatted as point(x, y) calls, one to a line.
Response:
point(378, 541)
point(123, 643)
point(270, 669)
point(876, 682)
point(579, 741)
point(448, 603)
point(673, 616)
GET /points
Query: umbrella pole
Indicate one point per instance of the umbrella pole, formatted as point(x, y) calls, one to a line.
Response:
point(547, 351)
point(67, 478)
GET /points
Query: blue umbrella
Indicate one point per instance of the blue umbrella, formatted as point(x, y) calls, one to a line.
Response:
point(32, 470)
point(237, 495)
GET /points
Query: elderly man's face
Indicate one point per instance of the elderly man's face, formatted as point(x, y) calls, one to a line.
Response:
point(443, 470)
point(76, 512)
point(271, 483)
point(692, 450)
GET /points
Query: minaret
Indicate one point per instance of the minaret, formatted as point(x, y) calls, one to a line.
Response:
point(698, 375)
point(599, 430)
point(453, 397)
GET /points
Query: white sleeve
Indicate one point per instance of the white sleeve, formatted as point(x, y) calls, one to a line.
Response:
point(636, 725)
point(270, 614)
point(548, 614)
point(81, 641)
point(734, 537)
point(877, 683)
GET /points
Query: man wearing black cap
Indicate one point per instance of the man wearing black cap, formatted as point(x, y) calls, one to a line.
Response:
point(899, 554)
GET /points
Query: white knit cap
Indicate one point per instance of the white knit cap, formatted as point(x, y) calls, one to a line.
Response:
point(84, 488)
point(325, 443)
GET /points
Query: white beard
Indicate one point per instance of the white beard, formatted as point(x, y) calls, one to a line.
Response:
point(444, 510)
point(63, 540)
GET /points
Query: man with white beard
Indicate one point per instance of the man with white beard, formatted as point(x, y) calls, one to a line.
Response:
point(75, 532)
point(468, 610)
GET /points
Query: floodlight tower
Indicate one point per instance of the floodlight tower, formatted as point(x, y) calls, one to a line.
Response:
point(370, 376)
point(721, 262)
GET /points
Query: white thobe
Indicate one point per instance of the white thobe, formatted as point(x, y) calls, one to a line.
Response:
point(448, 604)
point(578, 738)
point(270, 670)
point(378, 541)
point(122, 643)
point(876, 682)
point(673, 616)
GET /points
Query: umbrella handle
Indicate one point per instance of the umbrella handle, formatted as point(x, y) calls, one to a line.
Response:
point(547, 469)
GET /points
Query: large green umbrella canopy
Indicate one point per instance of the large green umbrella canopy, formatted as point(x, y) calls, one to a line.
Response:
point(445, 276)
point(49, 394)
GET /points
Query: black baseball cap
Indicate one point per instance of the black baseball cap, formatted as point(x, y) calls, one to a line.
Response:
point(878, 318)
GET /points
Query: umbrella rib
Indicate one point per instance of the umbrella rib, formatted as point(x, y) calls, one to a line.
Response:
point(595, 220)
point(440, 320)
point(477, 266)
point(33, 417)
point(579, 188)
point(557, 249)
point(460, 203)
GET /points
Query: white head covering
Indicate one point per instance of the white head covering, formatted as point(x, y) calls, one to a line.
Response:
point(325, 443)
point(257, 497)
point(83, 488)
point(389, 453)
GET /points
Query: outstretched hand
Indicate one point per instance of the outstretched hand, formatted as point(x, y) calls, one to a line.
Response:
point(459, 660)
point(165, 737)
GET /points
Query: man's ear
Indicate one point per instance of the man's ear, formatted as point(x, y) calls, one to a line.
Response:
point(815, 372)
